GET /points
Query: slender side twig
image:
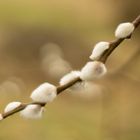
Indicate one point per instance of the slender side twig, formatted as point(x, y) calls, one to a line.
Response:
point(113, 44)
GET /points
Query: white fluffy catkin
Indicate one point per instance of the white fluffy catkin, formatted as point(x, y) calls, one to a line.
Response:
point(44, 93)
point(1, 117)
point(99, 50)
point(124, 30)
point(69, 77)
point(11, 106)
point(93, 70)
point(32, 112)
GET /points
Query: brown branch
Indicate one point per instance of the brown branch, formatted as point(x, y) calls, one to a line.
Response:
point(113, 44)
point(136, 22)
point(64, 87)
point(21, 107)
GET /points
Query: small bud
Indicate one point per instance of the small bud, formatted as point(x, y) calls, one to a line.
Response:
point(44, 93)
point(1, 117)
point(98, 50)
point(32, 112)
point(69, 77)
point(93, 70)
point(11, 106)
point(124, 30)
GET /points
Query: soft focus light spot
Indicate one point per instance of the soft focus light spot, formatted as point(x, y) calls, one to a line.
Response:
point(52, 61)
point(13, 86)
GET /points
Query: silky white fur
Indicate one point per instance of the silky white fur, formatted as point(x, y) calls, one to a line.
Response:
point(99, 50)
point(11, 106)
point(93, 70)
point(124, 30)
point(44, 93)
point(69, 77)
point(32, 112)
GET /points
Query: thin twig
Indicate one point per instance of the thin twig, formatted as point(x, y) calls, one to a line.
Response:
point(113, 44)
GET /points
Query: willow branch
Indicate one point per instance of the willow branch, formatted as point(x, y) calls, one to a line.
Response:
point(113, 45)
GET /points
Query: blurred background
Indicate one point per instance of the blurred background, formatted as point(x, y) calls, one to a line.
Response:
point(42, 40)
